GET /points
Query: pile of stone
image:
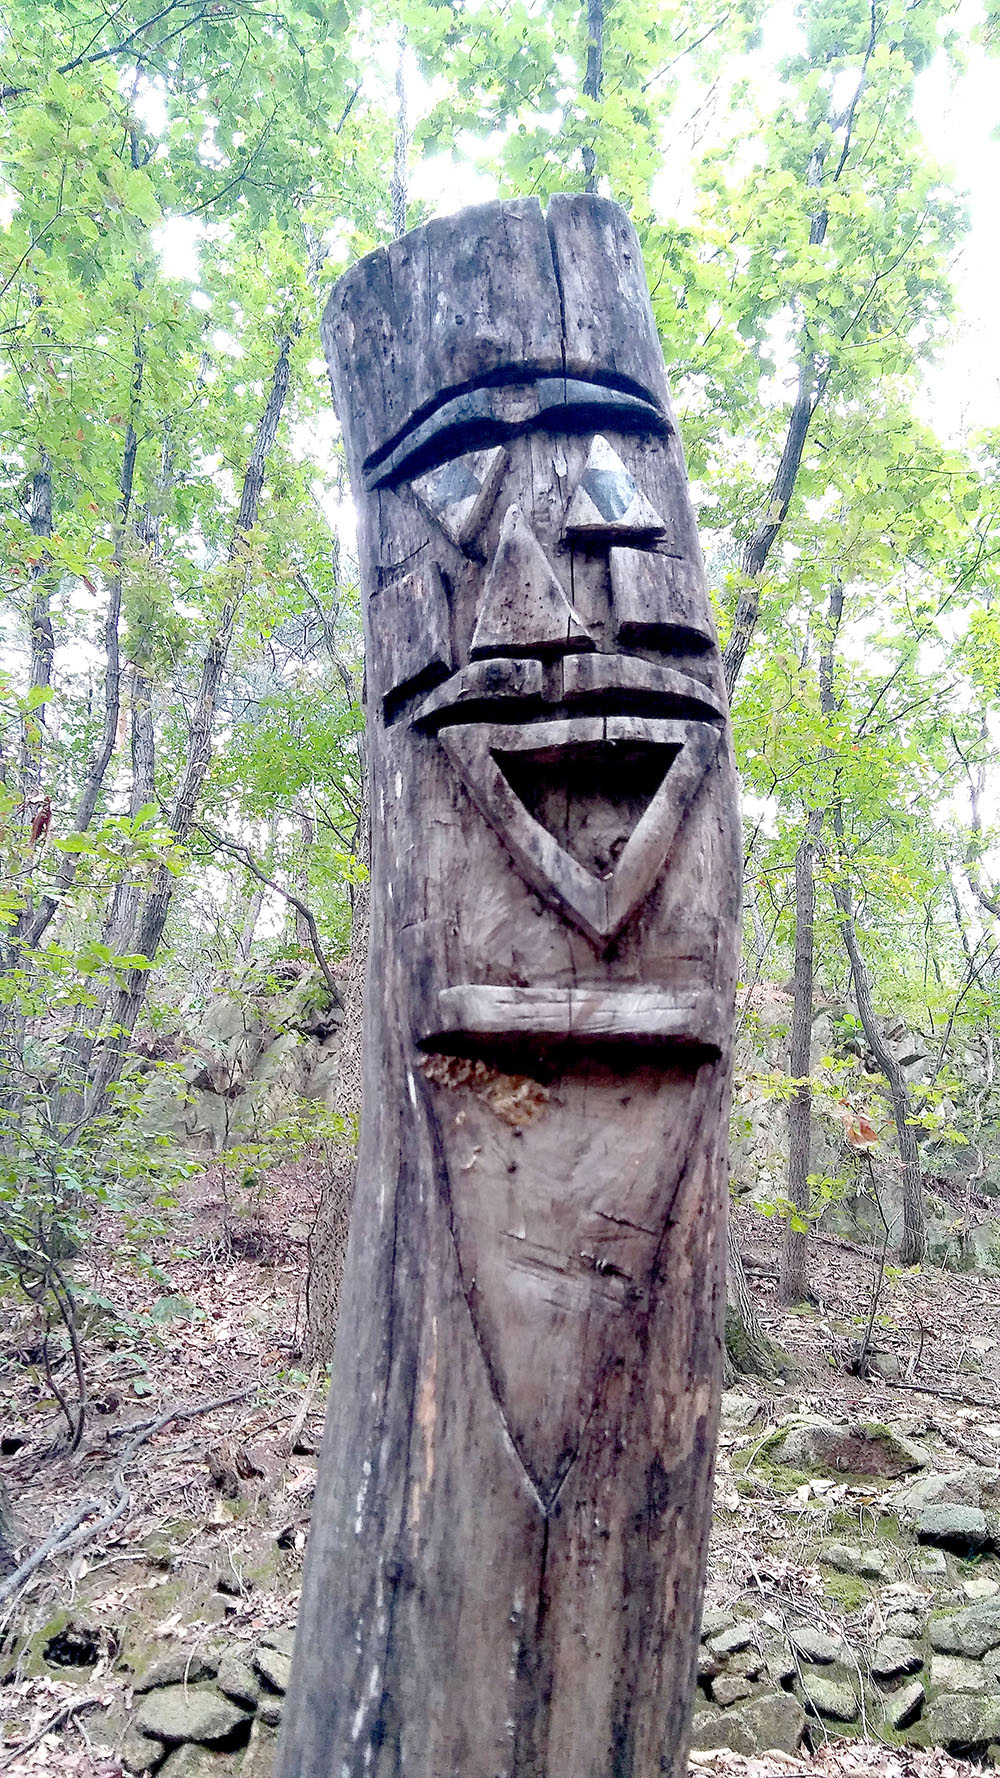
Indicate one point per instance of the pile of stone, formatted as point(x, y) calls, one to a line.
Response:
point(767, 1685)
point(192, 1707)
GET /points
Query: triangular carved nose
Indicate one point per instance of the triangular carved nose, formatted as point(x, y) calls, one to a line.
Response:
point(525, 611)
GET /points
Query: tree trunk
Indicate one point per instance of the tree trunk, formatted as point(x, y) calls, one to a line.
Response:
point(328, 1240)
point(127, 1001)
point(43, 644)
point(911, 1248)
point(813, 377)
point(794, 1282)
point(533, 1298)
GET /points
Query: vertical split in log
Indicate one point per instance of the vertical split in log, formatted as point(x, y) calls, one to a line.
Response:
point(507, 1554)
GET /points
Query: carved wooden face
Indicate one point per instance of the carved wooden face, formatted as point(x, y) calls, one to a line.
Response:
point(544, 659)
point(556, 597)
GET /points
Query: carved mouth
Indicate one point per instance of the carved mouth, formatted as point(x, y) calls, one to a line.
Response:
point(575, 686)
point(588, 806)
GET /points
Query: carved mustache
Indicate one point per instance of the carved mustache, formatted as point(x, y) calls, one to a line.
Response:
point(575, 685)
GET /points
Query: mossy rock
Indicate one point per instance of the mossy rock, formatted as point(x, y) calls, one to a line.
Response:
point(846, 1590)
point(863, 1451)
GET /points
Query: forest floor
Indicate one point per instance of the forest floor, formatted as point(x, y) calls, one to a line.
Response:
point(201, 1435)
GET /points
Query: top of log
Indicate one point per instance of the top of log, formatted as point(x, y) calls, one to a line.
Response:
point(498, 293)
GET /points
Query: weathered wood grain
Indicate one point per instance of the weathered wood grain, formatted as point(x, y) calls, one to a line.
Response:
point(507, 1553)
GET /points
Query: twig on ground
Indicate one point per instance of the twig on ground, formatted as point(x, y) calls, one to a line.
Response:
point(295, 1429)
point(57, 1720)
point(61, 1542)
point(51, 1543)
point(969, 1401)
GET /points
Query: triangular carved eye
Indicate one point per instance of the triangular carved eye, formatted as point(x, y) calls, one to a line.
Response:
point(607, 502)
point(459, 495)
point(524, 609)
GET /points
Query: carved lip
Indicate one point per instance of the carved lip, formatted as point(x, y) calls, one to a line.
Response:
point(574, 686)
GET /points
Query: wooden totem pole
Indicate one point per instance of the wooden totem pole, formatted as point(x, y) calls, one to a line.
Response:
point(507, 1554)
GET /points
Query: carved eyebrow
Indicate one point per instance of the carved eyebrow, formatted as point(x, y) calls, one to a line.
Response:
point(487, 416)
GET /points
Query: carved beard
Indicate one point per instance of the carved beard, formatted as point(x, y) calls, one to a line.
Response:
point(543, 650)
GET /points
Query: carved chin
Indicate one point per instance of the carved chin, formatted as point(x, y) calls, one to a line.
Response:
point(560, 1196)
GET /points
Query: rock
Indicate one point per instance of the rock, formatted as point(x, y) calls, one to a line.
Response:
point(709, 1665)
point(904, 1623)
point(776, 1722)
point(960, 1528)
point(715, 1621)
point(747, 1665)
point(780, 1663)
point(176, 1713)
point(848, 1558)
point(274, 1667)
point(893, 1658)
point(815, 1645)
point(956, 1487)
point(737, 1409)
point(712, 1728)
point(732, 1641)
point(932, 1564)
point(904, 1706)
point(865, 1449)
point(832, 1698)
point(138, 1754)
point(237, 1680)
point(973, 1632)
point(981, 1587)
point(284, 1639)
point(269, 1711)
point(951, 1673)
point(773, 1723)
point(962, 1722)
point(885, 1364)
point(190, 1762)
point(261, 1752)
point(183, 1666)
point(729, 1690)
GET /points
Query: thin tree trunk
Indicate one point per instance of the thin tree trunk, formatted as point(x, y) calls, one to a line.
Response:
point(749, 1352)
point(593, 80)
point(813, 376)
point(299, 907)
point(127, 1002)
point(32, 928)
point(328, 1240)
point(42, 638)
point(794, 1283)
point(912, 1245)
point(401, 143)
point(811, 387)
point(244, 944)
